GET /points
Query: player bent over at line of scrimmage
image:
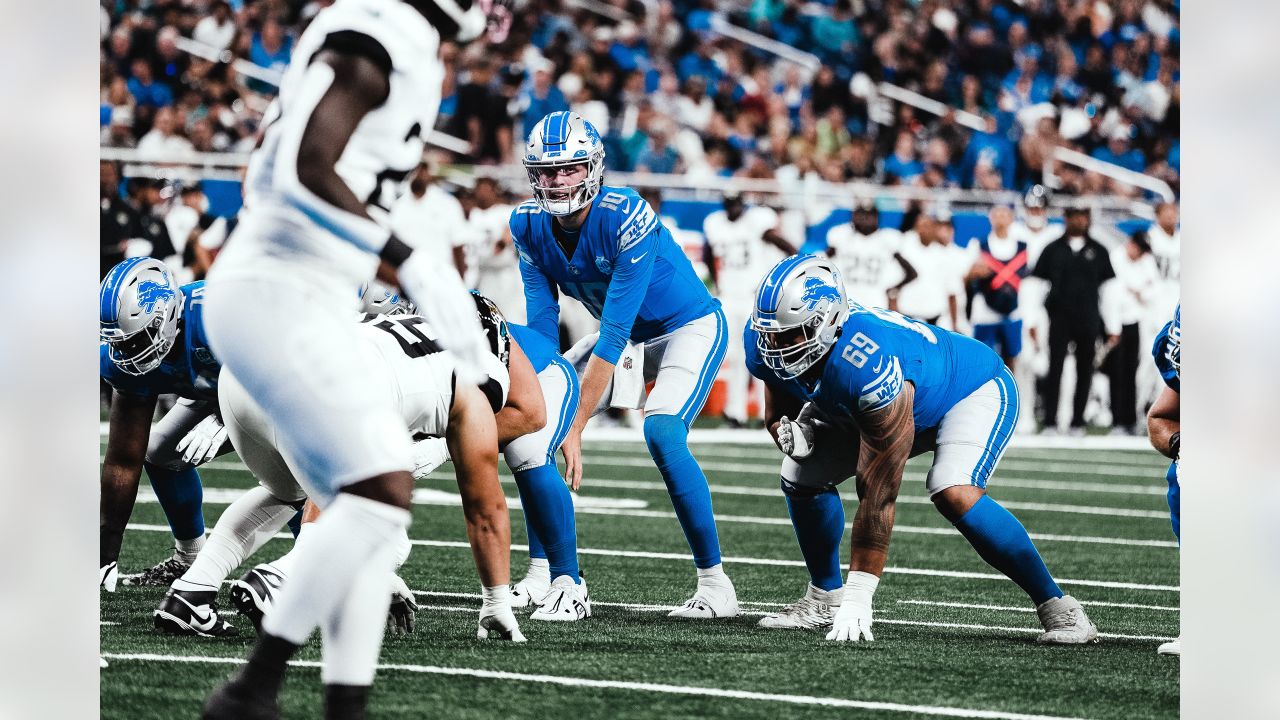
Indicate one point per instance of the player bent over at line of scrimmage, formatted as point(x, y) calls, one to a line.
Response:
point(606, 248)
point(1164, 428)
point(894, 383)
point(399, 352)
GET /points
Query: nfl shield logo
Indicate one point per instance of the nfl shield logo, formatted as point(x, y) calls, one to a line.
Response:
point(603, 265)
point(626, 363)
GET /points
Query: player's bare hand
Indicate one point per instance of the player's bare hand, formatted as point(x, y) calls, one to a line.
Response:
point(572, 450)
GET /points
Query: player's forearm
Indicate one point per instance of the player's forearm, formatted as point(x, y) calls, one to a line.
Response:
point(594, 382)
point(119, 491)
point(489, 532)
point(872, 526)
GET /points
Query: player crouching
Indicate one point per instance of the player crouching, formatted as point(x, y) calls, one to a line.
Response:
point(867, 388)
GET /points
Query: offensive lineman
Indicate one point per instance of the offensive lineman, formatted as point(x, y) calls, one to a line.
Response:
point(1164, 427)
point(153, 343)
point(897, 384)
point(337, 144)
point(605, 247)
point(737, 237)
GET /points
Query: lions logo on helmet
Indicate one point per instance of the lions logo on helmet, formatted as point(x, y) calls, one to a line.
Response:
point(564, 140)
point(378, 299)
point(800, 307)
point(139, 305)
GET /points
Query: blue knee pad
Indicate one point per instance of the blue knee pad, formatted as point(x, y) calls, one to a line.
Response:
point(181, 497)
point(667, 439)
point(817, 516)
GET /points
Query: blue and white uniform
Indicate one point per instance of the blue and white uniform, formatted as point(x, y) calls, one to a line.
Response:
point(963, 391)
point(632, 276)
point(1167, 351)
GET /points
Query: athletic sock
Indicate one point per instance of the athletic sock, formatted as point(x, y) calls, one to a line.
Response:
point(714, 577)
point(181, 497)
point(189, 549)
point(667, 438)
point(353, 632)
point(1003, 542)
point(548, 515)
point(246, 525)
point(285, 563)
point(818, 521)
point(338, 546)
point(263, 673)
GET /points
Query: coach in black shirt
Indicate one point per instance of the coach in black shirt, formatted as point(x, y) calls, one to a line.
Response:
point(1075, 266)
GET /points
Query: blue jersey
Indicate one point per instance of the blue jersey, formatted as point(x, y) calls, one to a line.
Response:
point(536, 346)
point(626, 269)
point(1167, 350)
point(189, 370)
point(876, 353)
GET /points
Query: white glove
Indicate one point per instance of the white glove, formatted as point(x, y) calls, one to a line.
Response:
point(404, 606)
point(202, 443)
point(853, 619)
point(428, 455)
point(795, 437)
point(443, 300)
point(496, 618)
point(108, 575)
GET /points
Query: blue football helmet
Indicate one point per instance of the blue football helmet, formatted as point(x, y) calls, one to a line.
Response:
point(139, 306)
point(561, 140)
point(799, 310)
point(378, 299)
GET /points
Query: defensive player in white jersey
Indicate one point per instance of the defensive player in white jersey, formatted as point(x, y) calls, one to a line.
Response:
point(870, 257)
point(739, 237)
point(337, 143)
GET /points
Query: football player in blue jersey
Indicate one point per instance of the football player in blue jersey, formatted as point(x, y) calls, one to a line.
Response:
point(152, 344)
point(1164, 426)
point(606, 248)
point(867, 388)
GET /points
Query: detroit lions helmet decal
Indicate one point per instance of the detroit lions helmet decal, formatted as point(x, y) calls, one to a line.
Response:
point(559, 141)
point(139, 305)
point(799, 310)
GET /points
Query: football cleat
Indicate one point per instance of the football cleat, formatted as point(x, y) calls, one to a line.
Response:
point(108, 576)
point(233, 700)
point(710, 601)
point(1173, 647)
point(187, 612)
point(815, 611)
point(160, 575)
point(255, 592)
point(530, 591)
point(1065, 622)
point(566, 602)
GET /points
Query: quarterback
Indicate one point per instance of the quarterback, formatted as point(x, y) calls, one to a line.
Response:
point(867, 387)
point(606, 248)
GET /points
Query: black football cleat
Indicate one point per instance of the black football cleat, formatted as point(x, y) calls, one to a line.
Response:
point(186, 612)
point(255, 592)
point(233, 700)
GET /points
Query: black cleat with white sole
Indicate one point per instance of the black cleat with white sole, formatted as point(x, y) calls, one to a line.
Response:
point(253, 594)
point(186, 612)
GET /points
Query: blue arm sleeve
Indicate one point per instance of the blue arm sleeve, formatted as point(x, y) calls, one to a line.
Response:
point(541, 309)
point(629, 284)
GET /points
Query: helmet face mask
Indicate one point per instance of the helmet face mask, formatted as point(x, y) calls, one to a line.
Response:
point(559, 144)
point(800, 307)
point(140, 305)
point(378, 299)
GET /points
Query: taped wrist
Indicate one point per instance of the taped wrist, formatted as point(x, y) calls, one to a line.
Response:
point(859, 588)
point(495, 598)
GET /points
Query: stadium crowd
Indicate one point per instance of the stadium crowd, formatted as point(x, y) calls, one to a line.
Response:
point(670, 95)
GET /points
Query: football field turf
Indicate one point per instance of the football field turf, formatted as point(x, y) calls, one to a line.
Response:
point(953, 637)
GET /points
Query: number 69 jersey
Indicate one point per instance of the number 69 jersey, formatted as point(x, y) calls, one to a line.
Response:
point(877, 353)
point(404, 353)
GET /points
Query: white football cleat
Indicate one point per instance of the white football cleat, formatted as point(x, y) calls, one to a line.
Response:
point(712, 600)
point(530, 591)
point(1173, 647)
point(566, 602)
point(1065, 622)
point(815, 611)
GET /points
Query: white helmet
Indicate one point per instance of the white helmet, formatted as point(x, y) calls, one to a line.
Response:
point(559, 140)
point(378, 299)
point(800, 307)
point(139, 306)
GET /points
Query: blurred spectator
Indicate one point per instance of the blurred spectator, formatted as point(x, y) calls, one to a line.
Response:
point(542, 98)
point(903, 166)
point(163, 141)
point(995, 282)
point(216, 29)
point(271, 47)
point(1119, 151)
point(145, 89)
point(1137, 285)
point(152, 237)
point(658, 156)
point(1165, 239)
point(870, 258)
point(119, 220)
point(1075, 266)
point(481, 116)
point(988, 152)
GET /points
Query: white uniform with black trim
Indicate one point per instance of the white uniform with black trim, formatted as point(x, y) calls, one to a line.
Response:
point(866, 262)
point(281, 298)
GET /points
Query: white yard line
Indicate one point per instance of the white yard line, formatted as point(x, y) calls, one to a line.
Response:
point(1021, 609)
point(454, 544)
point(656, 688)
point(592, 505)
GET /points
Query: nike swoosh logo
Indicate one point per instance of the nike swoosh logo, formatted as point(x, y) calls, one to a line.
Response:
point(204, 620)
point(636, 259)
point(876, 369)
